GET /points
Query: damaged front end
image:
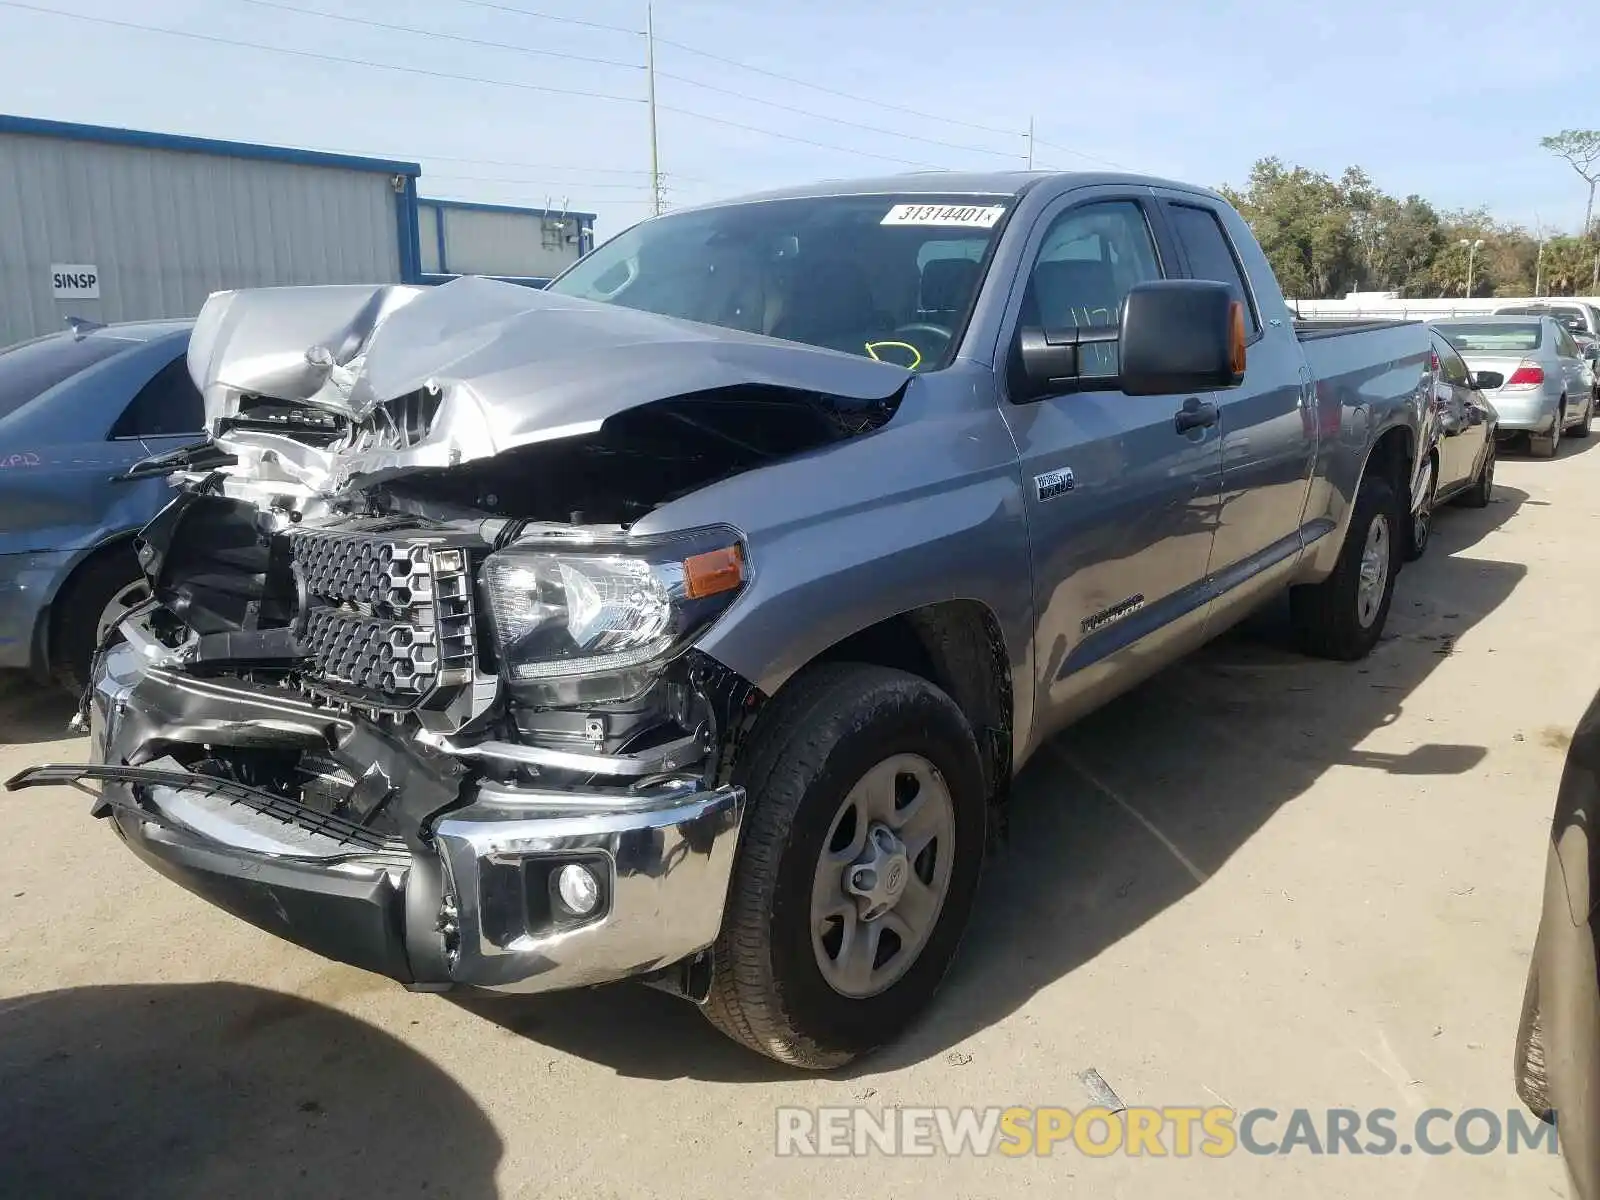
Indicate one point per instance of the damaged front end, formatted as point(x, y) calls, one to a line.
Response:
point(411, 692)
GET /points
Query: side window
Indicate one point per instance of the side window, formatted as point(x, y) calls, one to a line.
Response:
point(169, 404)
point(1209, 252)
point(1090, 257)
point(1564, 343)
point(1451, 365)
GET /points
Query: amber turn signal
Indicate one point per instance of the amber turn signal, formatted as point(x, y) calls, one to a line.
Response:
point(1236, 338)
point(712, 572)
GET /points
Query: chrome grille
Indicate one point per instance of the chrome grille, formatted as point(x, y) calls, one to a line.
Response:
point(387, 617)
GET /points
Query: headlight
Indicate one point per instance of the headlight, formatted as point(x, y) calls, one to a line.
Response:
point(592, 625)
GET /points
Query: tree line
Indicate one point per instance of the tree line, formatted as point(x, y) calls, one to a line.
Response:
point(1326, 237)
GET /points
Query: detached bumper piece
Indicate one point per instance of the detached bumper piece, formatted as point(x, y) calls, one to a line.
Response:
point(510, 889)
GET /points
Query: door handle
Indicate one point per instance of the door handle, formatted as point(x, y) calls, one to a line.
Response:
point(1195, 414)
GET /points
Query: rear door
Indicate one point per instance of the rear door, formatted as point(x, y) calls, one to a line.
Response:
point(1460, 440)
point(1574, 372)
point(1268, 450)
point(1121, 505)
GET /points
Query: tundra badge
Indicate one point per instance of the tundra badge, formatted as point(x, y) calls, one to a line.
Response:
point(1054, 483)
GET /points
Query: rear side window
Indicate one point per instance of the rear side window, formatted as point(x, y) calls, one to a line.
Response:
point(30, 369)
point(169, 404)
point(1209, 253)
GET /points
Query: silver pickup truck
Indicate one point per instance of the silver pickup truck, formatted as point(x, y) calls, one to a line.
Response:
point(686, 621)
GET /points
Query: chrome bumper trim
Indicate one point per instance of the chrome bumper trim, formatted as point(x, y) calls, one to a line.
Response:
point(459, 906)
point(658, 760)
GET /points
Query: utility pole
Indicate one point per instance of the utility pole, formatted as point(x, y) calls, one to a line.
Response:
point(650, 73)
point(1472, 245)
point(1030, 143)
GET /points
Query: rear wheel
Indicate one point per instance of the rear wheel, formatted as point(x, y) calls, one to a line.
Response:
point(1343, 616)
point(1550, 443)
point(93, 603)
point(1581, 429)
point(857, 865)
point(1482, 489)
point(1422, 520)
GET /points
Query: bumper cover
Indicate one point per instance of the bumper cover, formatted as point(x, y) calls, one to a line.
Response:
point(466, 904)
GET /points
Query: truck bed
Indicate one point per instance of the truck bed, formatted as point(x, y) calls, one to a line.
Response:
point(1315, 328)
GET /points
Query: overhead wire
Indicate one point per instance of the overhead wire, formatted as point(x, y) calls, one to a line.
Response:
point(393, 27)
point(817, 87)
point(342, 60)
point(346, 60)
point(446, 37)
point(804, 112)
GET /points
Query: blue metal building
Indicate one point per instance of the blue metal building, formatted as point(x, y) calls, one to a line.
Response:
point(119, 224)
point(526, 245)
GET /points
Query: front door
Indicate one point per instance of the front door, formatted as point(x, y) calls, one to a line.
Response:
point(1122, 505)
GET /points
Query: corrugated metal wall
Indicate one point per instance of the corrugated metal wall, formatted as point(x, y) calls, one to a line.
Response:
point(428, 237)
point(167, 228)
point(480, 241)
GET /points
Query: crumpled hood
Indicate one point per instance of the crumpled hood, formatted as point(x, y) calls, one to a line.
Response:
point(500, 366)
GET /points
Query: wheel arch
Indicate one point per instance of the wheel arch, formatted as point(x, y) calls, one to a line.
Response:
point(47, 636)
point(959, 647)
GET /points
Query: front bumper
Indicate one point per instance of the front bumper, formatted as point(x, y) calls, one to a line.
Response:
point(467, 903)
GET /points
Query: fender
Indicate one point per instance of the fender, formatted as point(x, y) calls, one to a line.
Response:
point(926, 510)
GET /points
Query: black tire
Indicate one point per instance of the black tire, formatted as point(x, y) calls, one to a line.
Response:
point(1548, 447)
point(1532, 1079)
point(1325, 615)
point(1482, 489)
point(1419, 530)
point(818, 737)
point(78, 608)
point(1581, 429)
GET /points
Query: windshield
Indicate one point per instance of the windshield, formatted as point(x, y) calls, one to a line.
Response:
point(30, 369)
point(1486, 337)
point(886, 277)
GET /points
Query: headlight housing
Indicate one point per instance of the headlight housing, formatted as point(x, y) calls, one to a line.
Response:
point(591, 624)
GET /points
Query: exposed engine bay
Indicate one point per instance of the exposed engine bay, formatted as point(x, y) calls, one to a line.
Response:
point(410, 532)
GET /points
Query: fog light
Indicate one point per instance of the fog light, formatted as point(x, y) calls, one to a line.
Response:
point(578, 888)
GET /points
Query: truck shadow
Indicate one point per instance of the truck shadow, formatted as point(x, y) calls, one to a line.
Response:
point(1204, 753)
point(175, 1091)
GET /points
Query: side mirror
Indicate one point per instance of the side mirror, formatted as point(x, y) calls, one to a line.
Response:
point(1488, 381)
point(1174, 336)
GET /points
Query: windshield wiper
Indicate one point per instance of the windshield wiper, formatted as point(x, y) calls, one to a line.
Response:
point(201, 456)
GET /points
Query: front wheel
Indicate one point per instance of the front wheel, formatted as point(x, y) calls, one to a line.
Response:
point(1548, 445)
point(1343, 616)
point(857, 865)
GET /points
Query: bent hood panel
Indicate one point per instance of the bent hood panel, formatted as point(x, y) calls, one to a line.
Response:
point(512, 365)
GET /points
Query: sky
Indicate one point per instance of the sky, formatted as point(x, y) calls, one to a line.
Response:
point(757, 95)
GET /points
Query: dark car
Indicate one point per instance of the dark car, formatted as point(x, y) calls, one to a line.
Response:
point(1462, 463)
point(77, 409)
point(1558, 1044)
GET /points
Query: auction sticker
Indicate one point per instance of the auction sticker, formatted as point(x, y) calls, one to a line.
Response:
point(973, 216)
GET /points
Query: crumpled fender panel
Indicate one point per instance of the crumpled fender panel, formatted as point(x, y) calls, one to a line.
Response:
point(502, 366)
